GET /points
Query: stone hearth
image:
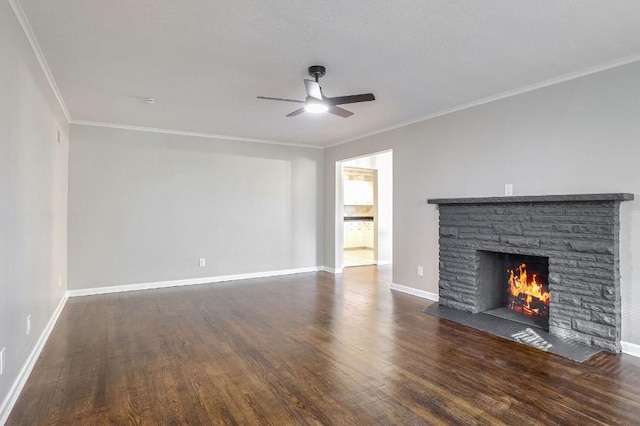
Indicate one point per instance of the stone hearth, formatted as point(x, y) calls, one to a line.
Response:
point(578, 233)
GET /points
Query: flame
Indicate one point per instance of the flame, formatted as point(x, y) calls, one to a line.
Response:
point(523, 290)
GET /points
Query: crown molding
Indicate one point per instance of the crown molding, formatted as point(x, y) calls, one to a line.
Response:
point(529, 88)
point(188, 133)
point(33, 41)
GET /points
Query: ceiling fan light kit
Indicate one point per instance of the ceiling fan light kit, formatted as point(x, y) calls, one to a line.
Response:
point(315, 107)
point(317, 103)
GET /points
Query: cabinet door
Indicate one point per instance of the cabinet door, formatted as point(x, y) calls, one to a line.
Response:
point(368, 235)
point(358, 192)
point(351, 237)
point(347, 236)
point(367, 193)
point(350, 192)
point(359, 235)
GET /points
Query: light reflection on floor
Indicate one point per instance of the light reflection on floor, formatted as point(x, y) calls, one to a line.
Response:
point(358, 257)
point(363, 325)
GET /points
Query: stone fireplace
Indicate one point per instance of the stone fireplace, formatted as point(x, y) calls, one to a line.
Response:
point(571, 244)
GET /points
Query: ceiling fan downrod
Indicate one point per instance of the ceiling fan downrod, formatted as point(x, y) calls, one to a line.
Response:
point(317, 71)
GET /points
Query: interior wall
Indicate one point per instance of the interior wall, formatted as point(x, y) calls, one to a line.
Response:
point(145, 207)
point(579, 136)
point(33, 200)
point(383, 163)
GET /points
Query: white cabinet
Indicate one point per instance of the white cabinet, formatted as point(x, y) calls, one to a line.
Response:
point(358, 192)
point(358, 234)
point(366, 193)
point(353, 236)
point(348, 238)
point(348, 235)
point(368, 234)
point(349, 192)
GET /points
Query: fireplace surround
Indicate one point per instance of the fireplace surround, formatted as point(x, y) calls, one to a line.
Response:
point(578, 233)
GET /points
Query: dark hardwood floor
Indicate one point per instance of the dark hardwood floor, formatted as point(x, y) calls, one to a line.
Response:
point(305, 349)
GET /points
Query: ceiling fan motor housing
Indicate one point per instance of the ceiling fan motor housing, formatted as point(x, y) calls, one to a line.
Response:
point(317, 71)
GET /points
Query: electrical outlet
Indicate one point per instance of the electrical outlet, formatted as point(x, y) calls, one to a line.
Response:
point(59, 281)
point(420, 271)
point(203, 261)
point(508, 189)
point(2, 361)
point(28, 324)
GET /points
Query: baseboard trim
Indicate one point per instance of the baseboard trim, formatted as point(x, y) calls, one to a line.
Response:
point(415, 292)
point(21, 380)
point(384, 262)
point(330, 269)
point(630, 349)
point(192, 281)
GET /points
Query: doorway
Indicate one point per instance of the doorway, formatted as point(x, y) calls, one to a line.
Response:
point(360, 209)
point(365, 208)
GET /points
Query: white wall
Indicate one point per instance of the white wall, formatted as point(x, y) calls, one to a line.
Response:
point(33, 200)
point(581, 136)
point(144, 207)
point(383, 163)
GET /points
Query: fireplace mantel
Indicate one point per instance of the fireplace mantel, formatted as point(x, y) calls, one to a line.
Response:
point(535, 199)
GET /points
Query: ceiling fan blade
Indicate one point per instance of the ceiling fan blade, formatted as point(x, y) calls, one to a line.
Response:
point(296, 112)
point(339, 111)
point(313, 89)
point(351, 99)
point(279, 99)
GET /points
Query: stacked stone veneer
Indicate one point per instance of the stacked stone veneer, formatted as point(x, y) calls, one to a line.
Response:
point(578, 233)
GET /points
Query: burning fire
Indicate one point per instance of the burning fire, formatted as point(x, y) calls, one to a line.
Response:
point(526, 294)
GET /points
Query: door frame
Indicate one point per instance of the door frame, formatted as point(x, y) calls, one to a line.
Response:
point(338, 211)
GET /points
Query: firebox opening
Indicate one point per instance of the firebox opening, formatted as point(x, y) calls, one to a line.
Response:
point(515, 287)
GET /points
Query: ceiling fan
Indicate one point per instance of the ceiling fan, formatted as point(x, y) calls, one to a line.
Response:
point(316, 102)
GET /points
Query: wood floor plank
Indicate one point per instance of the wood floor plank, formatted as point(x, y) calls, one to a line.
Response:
point(305, 349)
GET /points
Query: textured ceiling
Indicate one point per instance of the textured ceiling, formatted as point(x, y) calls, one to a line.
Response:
point(206, 61)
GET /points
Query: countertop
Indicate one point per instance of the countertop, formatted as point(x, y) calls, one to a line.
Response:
point(358, 218)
